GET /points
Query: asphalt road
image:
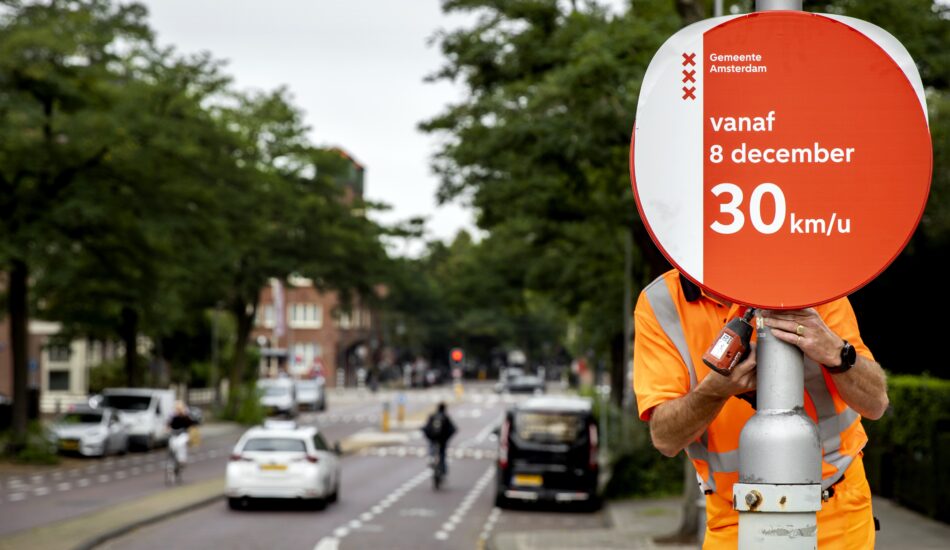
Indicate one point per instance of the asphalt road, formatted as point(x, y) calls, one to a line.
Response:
point(32, 497)
point(386, 501)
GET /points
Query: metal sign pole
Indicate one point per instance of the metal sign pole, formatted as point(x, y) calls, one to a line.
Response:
point(779, 490)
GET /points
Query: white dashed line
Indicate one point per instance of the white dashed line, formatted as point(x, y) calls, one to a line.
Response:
point(103, 478)
point(464, 506)
point(40, 491)
point(13, 497)
point(83, 482)
point(64, 486)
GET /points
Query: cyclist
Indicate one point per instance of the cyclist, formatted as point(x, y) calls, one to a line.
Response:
point(178, 440)
point(438, 429)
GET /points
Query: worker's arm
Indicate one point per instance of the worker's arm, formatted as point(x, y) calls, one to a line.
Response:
point(678, 422)
point(863, 387)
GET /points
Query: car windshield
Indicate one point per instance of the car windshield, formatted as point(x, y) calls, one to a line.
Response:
point(81, 418)
point(275, 445)
point(127, 402)
point(276, 391)
point(544, 427)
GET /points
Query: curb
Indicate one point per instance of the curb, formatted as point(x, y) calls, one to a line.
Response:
point(116, 532)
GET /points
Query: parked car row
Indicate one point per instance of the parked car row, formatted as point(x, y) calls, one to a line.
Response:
point(118, 420)
point(286, 396)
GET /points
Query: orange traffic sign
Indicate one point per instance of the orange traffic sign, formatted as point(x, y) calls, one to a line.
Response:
point(781, 159)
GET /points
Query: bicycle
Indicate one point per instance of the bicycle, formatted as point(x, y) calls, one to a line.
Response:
point(437, 463)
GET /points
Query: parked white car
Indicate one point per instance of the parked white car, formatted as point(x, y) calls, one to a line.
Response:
point(90, 432)
point(278, 395)
point(281, 460)
point(144, 411)
point(311, 393)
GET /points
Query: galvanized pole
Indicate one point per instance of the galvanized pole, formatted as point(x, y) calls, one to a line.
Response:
point(779, 490)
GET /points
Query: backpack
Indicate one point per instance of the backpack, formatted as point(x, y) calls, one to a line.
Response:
point(434, 427)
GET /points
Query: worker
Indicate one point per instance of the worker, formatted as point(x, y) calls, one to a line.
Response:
point(689, 406)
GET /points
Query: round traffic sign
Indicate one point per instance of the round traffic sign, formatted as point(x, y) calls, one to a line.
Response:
point(781, 159)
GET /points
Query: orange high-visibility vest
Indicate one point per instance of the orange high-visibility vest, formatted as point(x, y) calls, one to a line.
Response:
point(674, 324)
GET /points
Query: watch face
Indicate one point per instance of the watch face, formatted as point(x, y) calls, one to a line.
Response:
point(848, 355)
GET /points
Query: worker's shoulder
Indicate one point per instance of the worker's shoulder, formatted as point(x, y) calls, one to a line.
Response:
point(671, 276)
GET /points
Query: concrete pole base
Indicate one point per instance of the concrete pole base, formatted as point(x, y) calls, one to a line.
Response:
point(777, 516)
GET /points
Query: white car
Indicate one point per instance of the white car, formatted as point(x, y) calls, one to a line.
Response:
point(311, 394)
point(281, 460)
point(278, 396)
point(90, 432)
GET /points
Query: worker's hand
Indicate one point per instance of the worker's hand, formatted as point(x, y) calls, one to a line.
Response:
point(741, 380)
point(807, 330)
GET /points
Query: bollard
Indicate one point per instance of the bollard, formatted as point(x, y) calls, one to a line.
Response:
point(459, 391)
point(401, 409)
point(385, 418)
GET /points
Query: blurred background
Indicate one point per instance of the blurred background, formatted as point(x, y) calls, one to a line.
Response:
point(198, 199)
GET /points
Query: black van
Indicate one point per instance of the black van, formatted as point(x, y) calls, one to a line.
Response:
point(547, 451)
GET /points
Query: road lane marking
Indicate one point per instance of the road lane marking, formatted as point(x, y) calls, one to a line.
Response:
point(463, 507)
point(13, 497)
point(327, 543)
point(40, 491)
point(83, 482)
point(489, 526)
point(332, 542)
point(103, 478)
point(64, 486)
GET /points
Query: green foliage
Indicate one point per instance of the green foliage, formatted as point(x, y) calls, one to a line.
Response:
point(637, 468)
point(108, 374)
point(35, 449)
point(908, 449)
point(246, 402)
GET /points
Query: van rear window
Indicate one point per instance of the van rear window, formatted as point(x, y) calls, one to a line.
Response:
point(549, 427)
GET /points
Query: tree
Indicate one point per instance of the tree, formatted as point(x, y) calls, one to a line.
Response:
point(56, 95)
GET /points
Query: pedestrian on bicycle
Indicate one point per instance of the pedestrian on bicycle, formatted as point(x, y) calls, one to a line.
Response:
point(179, 424)
point(438, 429)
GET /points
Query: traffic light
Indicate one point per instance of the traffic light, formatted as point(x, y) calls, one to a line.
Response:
point(457, 355)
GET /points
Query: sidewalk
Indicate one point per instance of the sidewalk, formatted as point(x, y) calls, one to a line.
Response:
point(634, 524)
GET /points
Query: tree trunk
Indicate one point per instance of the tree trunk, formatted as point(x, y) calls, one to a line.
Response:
point(617, 369)
point(19, 341)
point(245, 322)
point(691, 11)
point(129, 333)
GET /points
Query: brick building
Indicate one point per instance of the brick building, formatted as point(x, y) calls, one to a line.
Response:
point(318, 335)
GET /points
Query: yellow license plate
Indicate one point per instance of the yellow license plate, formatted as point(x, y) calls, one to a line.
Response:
point(69, 445)
point(273, 467)
point(528, 481)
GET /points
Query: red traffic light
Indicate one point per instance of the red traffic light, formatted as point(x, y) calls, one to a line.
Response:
point(457, 355)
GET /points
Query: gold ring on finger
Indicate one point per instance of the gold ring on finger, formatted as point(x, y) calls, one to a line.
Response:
point(800, 331)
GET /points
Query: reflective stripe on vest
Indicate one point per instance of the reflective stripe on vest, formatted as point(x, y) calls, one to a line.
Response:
point(831, 424)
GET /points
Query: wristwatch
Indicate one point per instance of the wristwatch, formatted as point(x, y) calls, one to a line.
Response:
point(848, 357)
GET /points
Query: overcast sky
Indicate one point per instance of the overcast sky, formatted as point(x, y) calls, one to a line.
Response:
point(354, 66)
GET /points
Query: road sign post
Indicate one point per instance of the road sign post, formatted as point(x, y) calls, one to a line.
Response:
point(781, 160)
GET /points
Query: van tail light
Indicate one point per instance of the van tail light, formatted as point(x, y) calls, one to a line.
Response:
point(236, 457)
point(592, 436)
point(503, 444)
point(312, 459)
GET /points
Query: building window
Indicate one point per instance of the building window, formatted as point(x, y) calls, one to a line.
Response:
point(58, 380)
point(58, 353)
point(305, 353)
point(306, 316)
point(265, 316)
